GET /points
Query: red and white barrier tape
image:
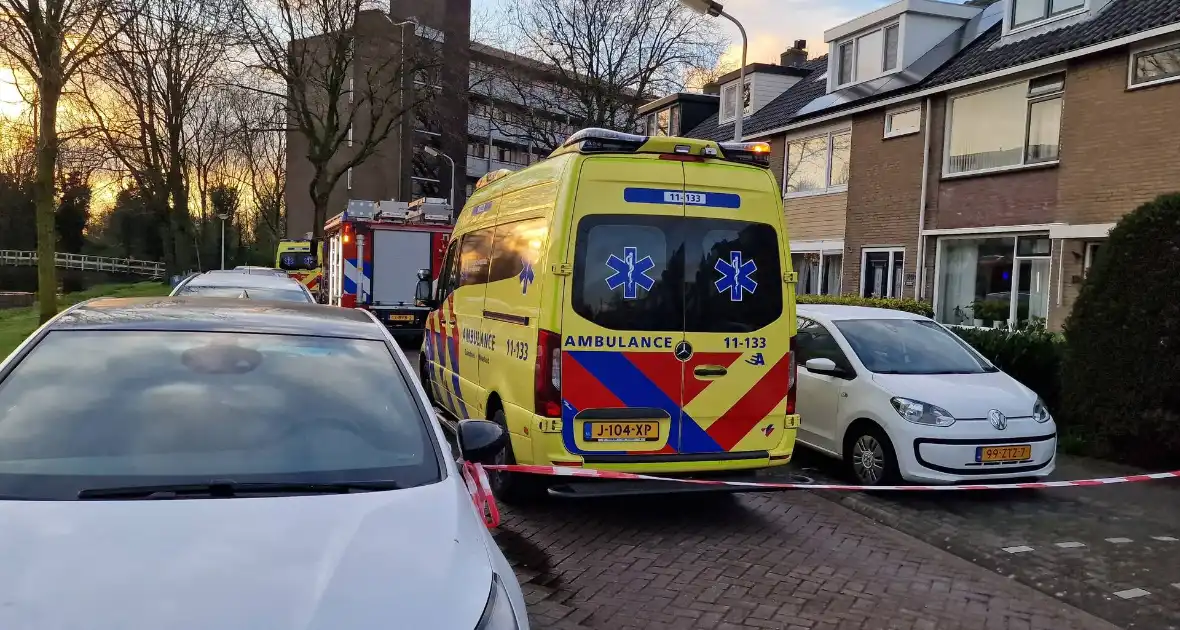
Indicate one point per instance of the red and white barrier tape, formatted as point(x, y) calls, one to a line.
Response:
point(565, 471)
point(481, 494)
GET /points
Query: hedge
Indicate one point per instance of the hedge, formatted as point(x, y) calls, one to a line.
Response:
point(897, 304)
point(1121, 372)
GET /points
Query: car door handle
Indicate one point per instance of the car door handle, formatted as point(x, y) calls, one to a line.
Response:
point(710, 371)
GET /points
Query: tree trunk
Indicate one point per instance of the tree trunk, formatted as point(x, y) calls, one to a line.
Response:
point(49, 92)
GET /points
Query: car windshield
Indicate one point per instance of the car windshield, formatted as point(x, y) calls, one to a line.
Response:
point(253, 293)
point(102, 409)
point(910, 346)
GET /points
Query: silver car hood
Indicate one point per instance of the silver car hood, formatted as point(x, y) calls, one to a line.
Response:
point(413, 558)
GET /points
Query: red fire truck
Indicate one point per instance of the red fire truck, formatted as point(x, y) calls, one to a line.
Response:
point(376, 254)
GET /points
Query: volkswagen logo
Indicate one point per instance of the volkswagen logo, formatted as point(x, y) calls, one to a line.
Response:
point(683, 351)
point(998, 419)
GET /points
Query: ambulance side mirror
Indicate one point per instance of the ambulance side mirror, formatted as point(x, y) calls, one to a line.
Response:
point(424, 293)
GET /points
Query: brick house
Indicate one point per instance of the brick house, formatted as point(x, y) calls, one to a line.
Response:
point(992, 147)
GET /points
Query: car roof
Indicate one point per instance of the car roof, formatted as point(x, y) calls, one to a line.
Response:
point(219, 315)
point(837, 311)
point(240, 280)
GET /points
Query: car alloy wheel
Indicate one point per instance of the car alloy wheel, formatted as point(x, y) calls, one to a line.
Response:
point(868, 460)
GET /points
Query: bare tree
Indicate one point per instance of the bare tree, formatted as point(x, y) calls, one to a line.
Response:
point(50, 40)
point(594, 62)
point(344, 102)
point(259, 144)
point(146, 95)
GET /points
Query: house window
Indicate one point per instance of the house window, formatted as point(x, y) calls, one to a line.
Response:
point(881, 272)
point(847, 56)
point(869, 55)
point(1155, 66)
point(818, 165)
point(674, 127)
point(891, 43)
point(729, 101)
point(903, 122)
point(989, 281)
point(819, 273)
point(1092, 250)
point(1008, 126)
point(348, 178)
point(350, 135)
point(1027, 12)
point(663, 123)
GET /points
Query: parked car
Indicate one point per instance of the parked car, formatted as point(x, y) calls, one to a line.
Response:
point(195, 464)
point(898, 396)
point(243, 285)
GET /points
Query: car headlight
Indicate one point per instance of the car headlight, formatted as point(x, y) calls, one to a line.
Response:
point(498, 614)
point(919, 412)
point(1041, 412)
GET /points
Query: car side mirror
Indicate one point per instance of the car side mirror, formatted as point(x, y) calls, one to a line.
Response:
point(481, 440)
point(826, 367)
point(423, 293)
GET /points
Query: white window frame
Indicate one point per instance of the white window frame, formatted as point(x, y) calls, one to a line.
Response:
point(1010, 25)
point(824, 252)
point(738, 105)
point(1088, 260)
point(890, 113)
point(1015, 236)
point(348, 177)
point(855, 41)
point(1135, 52)
point(892, 251)
point(830, 189)
point(1028, 103)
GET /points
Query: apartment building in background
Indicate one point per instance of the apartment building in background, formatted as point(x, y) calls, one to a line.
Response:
point(480, 129)
point(973, 155)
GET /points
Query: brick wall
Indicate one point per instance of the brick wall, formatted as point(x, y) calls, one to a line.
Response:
point(1119, 147)
point(884, 195)
point(1014, 198)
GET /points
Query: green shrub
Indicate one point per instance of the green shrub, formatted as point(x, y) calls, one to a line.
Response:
point(1031, 356)
point(897, 304)
point(1121, 373)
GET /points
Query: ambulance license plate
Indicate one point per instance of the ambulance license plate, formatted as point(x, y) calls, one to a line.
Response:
point(1013, 453)
point(401, 318)
point(621, 431)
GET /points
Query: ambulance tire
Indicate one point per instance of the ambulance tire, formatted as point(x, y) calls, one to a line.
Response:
point(424, 379)
point(514, 488)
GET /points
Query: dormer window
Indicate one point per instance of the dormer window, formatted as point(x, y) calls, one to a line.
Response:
point(729, 103)
point(868, 56)
point(1030, 12)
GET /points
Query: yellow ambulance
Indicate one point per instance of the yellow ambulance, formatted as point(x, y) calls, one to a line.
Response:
point(626, 304)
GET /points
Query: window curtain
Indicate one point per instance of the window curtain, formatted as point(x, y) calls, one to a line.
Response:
point(833, 269)
point(959, 263)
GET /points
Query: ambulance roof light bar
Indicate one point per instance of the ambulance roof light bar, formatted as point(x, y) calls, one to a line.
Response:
point(755, 153)
point(596, 140)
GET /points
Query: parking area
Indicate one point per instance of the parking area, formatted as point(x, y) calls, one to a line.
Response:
point(1039, 559)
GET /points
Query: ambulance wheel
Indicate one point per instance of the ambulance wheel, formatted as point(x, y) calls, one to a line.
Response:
point(424, 379)
point(515, 488)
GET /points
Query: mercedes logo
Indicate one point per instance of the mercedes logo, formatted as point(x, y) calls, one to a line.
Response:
point(683, 351)
point(998, 419)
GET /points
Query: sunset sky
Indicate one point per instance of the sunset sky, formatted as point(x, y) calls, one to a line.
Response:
point(772, 24)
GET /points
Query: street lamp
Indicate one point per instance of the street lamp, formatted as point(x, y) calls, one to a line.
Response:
point(223, 216)
point(715, 9)
point(436, 153)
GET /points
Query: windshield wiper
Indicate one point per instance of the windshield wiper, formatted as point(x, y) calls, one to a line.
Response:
point(228, 488)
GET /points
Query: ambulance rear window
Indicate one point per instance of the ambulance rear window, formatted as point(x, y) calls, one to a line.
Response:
point(660, 273)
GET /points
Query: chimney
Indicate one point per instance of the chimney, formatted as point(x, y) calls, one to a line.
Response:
point(796, 55)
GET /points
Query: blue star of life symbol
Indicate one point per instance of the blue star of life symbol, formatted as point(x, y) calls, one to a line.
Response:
point(630, 273)
point(526, 277)
point(736, 276)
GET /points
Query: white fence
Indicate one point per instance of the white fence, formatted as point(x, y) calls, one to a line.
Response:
point(132, 266)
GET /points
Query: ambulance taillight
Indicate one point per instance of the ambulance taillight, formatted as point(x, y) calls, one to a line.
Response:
point(792, 378)
point(547, 375)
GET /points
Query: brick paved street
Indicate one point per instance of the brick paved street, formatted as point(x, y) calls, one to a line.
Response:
point(1081, 545)
point(784, 560)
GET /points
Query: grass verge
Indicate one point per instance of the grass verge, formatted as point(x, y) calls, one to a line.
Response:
point(17, 323)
